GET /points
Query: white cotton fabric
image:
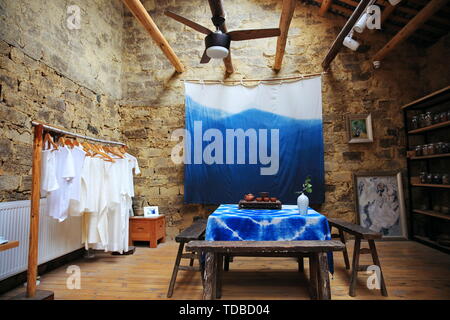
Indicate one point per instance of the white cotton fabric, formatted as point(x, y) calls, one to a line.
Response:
point(100, 191)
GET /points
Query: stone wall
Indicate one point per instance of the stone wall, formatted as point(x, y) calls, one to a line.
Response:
point(153, 96)
point(435, 69)
point(67, 78)
point(90, 55)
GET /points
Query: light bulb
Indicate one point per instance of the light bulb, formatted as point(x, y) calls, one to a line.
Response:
point(217, 52)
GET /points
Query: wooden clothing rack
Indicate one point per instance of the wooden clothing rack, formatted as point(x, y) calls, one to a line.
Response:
point(39, 129)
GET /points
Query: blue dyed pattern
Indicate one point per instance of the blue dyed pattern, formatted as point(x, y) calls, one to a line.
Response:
point(228, 223)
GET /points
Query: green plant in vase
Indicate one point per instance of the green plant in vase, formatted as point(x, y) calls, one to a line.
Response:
point(303, 200)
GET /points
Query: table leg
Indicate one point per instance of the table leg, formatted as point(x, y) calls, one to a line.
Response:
point(313, 266)
point(219, 276)
point(355, 267)
point(175, 270)
point(324, 279)
point(209, 289)
point(301, 264)
point(376, 261)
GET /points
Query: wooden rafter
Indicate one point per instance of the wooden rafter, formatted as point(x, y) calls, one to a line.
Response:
point(337, 44)
point(285, 20)
point(326, 4)
point(217, 10)
point(144, 18)
point(415, 23)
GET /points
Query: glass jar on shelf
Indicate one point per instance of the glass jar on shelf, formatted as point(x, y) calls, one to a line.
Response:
point(436, 118)
point(415, 122)
point(439, 147)
point(437, 178)
point(443, 116)
point(445, 178)
point(446, 147)
point(425, 150)
point(431, 149)
point(429, 178)
point(423, 177)
point(428, 119)
point(422, 120)
point(419, 151)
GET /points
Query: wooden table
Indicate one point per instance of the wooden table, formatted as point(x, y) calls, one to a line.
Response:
point(148, 229)
point(9, 245)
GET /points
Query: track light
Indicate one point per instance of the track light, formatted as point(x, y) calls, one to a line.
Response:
point(350, 43)
point(394, 2)
point(361, 24)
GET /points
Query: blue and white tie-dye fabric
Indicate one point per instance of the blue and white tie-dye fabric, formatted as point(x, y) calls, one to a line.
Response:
point(229, 223)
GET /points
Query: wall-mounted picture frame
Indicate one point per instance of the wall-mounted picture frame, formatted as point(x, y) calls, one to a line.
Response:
point(359, 128)
point(380, 203)
point(151, 211)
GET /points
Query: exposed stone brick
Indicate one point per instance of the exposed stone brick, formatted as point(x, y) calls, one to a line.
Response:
point(353, 156)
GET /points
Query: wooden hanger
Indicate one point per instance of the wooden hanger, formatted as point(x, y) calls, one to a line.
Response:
point(104, 155)
point(48, 141)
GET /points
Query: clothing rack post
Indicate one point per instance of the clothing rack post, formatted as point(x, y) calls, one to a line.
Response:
point(34, 214)
point(38, 135)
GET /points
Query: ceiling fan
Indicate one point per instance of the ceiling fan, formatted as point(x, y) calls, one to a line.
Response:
point(218, 43)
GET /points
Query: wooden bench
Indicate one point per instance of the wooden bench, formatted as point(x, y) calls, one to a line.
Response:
point(196, 231)
point(316, 250)
point(360, 233)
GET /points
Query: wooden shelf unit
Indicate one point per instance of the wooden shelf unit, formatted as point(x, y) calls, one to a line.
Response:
point(427, 225)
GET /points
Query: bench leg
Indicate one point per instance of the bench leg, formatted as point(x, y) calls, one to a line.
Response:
point(191, 262)
point(323, 277)
point(226, 266)
point(313, 266)
point(301, 264)
point(345, 253)
point(175, 270)
point(209, 289)
point(376, 261)
point(219, 276)
point(355, 267)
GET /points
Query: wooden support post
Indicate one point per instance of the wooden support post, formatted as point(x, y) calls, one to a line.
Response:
point(219, 275)
point(217, 10)
point(326, 4)
point(431, 8)
point(34, 214)
point(209, 287)
point(285, 20)
point(388, 10)
point(301, 263)
point(337, 44)
point(144, 18)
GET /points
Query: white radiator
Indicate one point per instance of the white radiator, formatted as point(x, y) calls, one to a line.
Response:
point(55, 238)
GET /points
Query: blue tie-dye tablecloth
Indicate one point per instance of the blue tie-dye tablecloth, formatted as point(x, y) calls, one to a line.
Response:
point(229, 223)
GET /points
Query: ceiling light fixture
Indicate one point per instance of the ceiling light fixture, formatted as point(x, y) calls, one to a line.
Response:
point(394, 2)
point(350, 43)
point(361, 24)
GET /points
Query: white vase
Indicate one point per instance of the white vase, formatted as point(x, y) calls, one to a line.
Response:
point(302, 203)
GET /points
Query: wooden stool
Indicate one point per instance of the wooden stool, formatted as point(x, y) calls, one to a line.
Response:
point(360, 233)
point(196, 231)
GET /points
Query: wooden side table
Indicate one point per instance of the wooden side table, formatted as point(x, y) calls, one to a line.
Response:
point(148, 229)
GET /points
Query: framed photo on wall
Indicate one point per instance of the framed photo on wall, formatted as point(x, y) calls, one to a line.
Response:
point(151, 211)
point(380, 203)
point(359, 128)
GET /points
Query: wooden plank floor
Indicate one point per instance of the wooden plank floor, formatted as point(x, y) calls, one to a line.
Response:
point(412, 271)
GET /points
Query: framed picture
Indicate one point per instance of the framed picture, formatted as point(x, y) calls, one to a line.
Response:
point(380, 203)
point(359, 128)
point(151, 211)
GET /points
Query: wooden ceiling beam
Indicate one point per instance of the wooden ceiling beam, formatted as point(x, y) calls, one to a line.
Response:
point(144, 18)
point(287, 12)
point(326, 4)
point(217, 10)
point(431, 8)
point(337, 44)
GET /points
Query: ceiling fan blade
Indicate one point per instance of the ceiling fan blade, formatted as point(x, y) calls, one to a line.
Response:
point(239, 35)
point(205, 58)
point(188, 22)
